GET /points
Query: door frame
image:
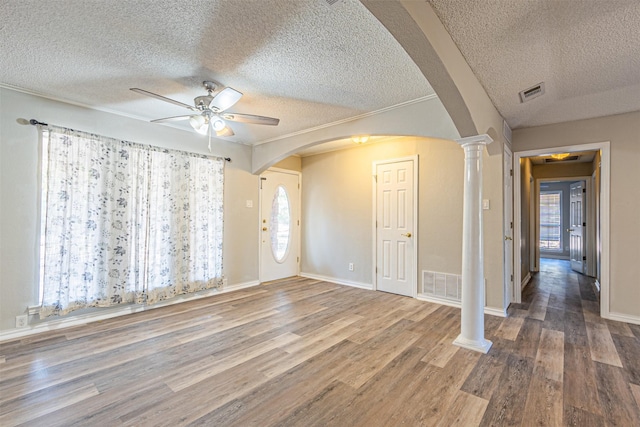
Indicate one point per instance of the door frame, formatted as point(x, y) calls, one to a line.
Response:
point(374, 233)
point(605, 179)
point(536, 213)
point(291, 172)
point(508, 281)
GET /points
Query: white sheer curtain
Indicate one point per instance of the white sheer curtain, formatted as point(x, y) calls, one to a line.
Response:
point(125, 222)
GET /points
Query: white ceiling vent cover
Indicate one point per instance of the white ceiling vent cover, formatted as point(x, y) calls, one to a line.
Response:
point(532, 92)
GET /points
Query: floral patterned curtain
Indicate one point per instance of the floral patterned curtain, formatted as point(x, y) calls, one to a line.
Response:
point(126, 223)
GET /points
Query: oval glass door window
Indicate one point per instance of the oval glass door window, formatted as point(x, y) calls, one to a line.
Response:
point(280, 224)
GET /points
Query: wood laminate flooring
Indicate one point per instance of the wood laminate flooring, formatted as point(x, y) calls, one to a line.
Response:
point(300, 352)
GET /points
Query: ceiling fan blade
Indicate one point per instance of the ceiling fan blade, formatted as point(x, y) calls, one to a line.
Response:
point(163, 98)
point(226, 98)
point(171, 119)
point(226, 131)
point(249, 118)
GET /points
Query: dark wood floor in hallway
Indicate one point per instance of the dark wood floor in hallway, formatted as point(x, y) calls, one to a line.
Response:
point(300, 352)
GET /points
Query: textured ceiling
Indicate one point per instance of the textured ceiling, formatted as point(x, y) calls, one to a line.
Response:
point(303, 61)
point(586, 51)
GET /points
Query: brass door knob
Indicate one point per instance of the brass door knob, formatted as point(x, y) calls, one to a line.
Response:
point(406, 235)
point(507, 238)
point(264, 228)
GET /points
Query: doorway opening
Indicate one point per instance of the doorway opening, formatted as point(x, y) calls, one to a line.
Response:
point(587, 166)
point(279, 255)
point(395, 225)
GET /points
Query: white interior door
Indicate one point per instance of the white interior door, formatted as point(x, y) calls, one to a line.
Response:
point(509, 289)
point(395, 227)
point(279, 225)
point(576, 226)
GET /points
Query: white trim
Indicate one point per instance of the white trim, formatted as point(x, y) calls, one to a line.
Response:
point(627, 318)
point(605, 179)
point(492, 311)
point(82, 319)
point(482, 346)
point(349, 119)
point(498, 312)
point(592, 238)
point(508, 283)
point(239, 286)
point(525, 281)
point(338, 281)
point(291, 172)
point(374, 181)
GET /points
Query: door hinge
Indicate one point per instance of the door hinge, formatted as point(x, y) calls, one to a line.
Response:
point(512, 277)
point(298, 186)
point(584, 224)
point(511, 225)
point(584, 258)
point(298, 259)
point(298, 222)
point(584, 190)
point(510, 172)
point(375, 177)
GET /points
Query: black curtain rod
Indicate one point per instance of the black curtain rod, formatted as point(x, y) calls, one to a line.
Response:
point(35, 122)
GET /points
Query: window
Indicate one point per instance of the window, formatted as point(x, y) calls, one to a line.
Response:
point(551, 221)
point(280, 224)
point(125, 222)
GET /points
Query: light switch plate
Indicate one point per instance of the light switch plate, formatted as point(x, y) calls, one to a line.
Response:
point(485, 204)
point(249, 203)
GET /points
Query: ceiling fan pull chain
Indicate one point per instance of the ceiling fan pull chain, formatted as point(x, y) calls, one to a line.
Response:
point(210, 129)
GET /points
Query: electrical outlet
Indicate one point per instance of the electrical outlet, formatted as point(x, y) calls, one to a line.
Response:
point(22, 320)
point(350, 266)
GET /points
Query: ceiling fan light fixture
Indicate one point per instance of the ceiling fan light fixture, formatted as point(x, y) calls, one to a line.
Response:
point(197, 122)
point(218, 125)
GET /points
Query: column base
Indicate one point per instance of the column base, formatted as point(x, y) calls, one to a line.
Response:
point(482, 346)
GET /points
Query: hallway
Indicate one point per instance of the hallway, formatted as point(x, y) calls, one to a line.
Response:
point(581, 369)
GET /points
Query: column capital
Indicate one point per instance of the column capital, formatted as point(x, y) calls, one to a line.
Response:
point(483, 139)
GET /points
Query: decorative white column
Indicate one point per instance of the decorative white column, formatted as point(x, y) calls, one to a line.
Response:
point(472, 327)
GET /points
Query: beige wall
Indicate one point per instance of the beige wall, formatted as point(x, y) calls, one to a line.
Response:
point(293, 163)
point(623, 133)
point(566, 170)
point(19, 186)
point(337, 211)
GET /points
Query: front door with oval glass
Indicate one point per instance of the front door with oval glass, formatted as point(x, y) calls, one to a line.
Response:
point(279, 225)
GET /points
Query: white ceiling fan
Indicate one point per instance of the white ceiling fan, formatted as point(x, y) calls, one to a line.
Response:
point(210, 111)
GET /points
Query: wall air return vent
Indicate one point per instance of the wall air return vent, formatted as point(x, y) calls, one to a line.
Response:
point(532, 92)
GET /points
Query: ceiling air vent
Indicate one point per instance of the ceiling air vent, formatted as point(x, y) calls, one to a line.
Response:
point(332, 2)
point(532, 92)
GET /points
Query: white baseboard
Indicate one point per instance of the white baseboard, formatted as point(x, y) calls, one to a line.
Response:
point(108, 313)
point(525, 281)
point(337, 281)
point(627, 318)
point(492, 311)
